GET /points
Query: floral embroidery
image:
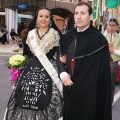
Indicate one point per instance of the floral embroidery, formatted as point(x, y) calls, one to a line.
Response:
point(34, 88)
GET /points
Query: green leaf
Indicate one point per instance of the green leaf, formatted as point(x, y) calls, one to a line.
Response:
point(112, 3)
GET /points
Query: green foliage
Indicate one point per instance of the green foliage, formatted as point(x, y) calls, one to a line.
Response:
point(112, 3)
point(18, 63)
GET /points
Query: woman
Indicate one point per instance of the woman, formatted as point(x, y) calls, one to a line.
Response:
point(23, 37)
point(38, 94)
point(4, 36)
point(13, 33)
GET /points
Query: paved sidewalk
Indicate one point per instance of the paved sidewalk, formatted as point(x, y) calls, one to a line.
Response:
point(6, 49)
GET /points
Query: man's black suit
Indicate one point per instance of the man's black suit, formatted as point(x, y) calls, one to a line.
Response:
point(89, 98)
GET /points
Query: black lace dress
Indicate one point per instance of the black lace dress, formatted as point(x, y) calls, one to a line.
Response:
point(36, 97)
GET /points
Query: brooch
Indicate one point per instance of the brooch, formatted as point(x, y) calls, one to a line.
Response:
point(32, 37)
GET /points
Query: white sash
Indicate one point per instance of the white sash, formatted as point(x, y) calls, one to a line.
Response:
point(45, 61)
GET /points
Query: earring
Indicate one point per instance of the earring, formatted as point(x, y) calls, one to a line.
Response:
point(50, 23)
point(37, 25)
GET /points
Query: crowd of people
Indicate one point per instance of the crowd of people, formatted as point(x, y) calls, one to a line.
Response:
point(4, 32)
point(71, 74)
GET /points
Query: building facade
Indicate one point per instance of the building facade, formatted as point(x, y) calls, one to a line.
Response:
point(12, 12)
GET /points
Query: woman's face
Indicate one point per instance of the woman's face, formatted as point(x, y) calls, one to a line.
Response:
point(43, 18)
point(113, 27)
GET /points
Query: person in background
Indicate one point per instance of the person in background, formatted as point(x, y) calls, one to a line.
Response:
point(38, 94)
point(91, 22)
point(114, 42)
point(4, 36)
point(107, 31)
point(1, 34)
point(23, 38)
point(118, 31)
point(20, 28)
point(29, 26)
point(86, 71)
point(65, 29)
point(13, 33)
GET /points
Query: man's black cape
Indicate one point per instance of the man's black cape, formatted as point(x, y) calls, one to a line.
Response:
point(89, 98)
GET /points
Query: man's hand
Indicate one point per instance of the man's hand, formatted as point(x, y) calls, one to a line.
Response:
point(63, 58)
point(110, 44)
point(67, 81)
point(111, 48)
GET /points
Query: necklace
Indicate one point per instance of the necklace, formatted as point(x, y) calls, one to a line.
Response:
point(42, 34)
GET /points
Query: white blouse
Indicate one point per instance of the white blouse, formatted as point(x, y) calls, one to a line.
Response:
point(117, 52)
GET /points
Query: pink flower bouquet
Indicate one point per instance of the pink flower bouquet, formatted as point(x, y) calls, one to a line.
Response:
point(16, 64)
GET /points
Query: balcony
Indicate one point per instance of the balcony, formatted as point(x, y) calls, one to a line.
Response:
point(66, 4)
point(30, 4)
point(34, 4)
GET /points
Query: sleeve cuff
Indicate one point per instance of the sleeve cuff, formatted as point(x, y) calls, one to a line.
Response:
point(63, 74)
point(117, 52)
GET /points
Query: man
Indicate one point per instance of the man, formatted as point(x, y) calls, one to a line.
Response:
point(86, 71)
point(114, 47)
point(1, 34)
point(23, 37)
point(20, 28)
point(13, 33)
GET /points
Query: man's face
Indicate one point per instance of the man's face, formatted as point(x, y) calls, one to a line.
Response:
point(113, 27)
point(82, 17)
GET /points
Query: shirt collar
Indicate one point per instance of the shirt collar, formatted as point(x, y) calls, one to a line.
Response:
point(114, 34)
point(82, 30)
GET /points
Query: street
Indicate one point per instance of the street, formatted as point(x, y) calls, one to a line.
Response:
point(5, 90)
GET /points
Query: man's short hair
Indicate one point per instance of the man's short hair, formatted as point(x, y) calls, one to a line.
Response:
point(84, 3)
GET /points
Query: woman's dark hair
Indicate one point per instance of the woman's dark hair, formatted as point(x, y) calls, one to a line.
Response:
point(44, 8)
point(84, 3)
point(33, 24)
point(53, 25)
point(114, 20)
